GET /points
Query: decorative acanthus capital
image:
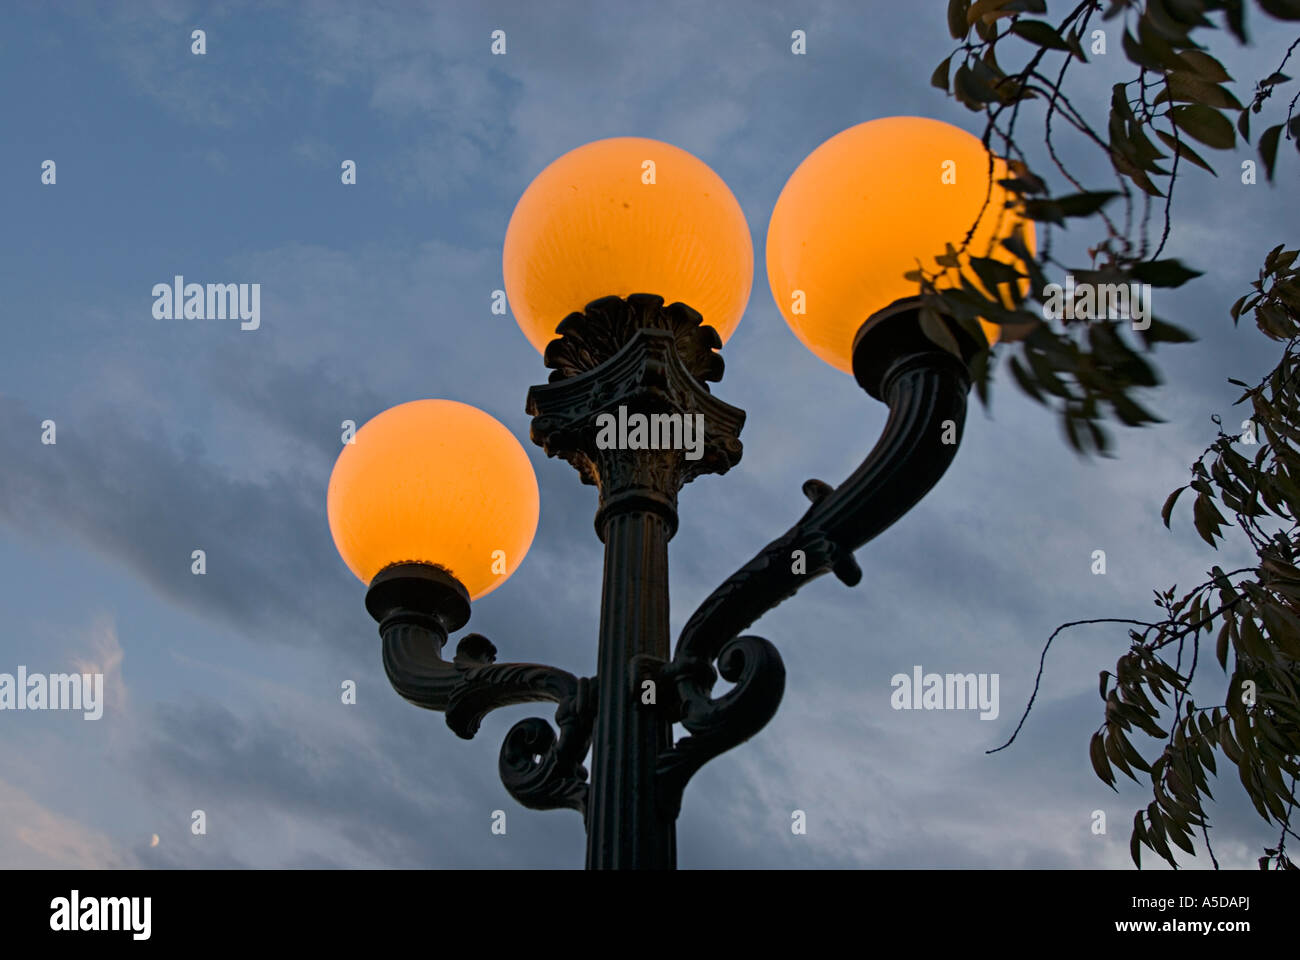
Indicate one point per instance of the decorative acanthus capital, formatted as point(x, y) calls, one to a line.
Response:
point(589, 337)
point(627, 406)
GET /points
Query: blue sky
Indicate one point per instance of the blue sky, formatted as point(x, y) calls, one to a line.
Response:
point(181, 435)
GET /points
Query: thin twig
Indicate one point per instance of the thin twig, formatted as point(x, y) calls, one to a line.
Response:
point(1042, 660)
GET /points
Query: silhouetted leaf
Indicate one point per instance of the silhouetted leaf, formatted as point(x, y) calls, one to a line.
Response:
point(1024, 381)
point(993, 9)
point(1056, 209)
point(949, 257)
point(1204, 66)
point(1157, 37)
point(1185, 151)
point(1076, 48)
point(1282, 9)
point(1045, 210)
point(1187, 88)
point(972, 86)
point(993, 273)
point(1115, 754)
point(1097, 753)
point(1205, 124)
point(1130, 412)
point(1163, 273)
point(1206, 518)
point(1041, 33)
point(957, 25)
point(937, 331)
point(1135, 840)
point(1139, 54)
point(1160, 332)
point(1156, 833)
point(940, 76)
point(1130, 169)
point(1168, 508)
point(1268, 148)
point(1180, 837)
point(1085, 204)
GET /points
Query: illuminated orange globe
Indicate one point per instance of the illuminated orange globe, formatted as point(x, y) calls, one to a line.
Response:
point(439, 482)
point(621, 216)
point(863, 209)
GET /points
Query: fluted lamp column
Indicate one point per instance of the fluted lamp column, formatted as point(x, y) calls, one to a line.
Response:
point(601, 240)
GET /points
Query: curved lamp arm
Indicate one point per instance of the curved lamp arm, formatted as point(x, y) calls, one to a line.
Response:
point(925, 387)
point(417, 606)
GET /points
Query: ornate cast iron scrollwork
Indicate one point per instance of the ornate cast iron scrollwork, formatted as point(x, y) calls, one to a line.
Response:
point(542, 771)
point(925, 388)
point(417, 606)
point(639, 353)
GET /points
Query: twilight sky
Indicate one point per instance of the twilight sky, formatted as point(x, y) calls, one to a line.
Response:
point(223, 690)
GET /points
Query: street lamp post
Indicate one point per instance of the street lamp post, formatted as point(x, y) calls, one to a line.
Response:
point(628, 354)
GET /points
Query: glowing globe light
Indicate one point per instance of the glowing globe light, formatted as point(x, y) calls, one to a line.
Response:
point(864, 208)
point(621, 216)
point(438, 482)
